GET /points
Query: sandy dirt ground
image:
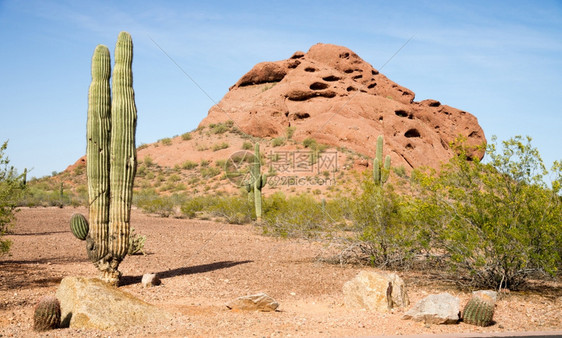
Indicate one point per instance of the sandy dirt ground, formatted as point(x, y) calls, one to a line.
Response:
point(205, 264)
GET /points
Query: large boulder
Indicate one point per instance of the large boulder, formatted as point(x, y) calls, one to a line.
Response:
point(91, 303)
point(332, 95)
point(436, 309)
point(376, 291)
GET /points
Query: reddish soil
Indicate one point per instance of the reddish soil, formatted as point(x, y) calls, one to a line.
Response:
point(205, 264)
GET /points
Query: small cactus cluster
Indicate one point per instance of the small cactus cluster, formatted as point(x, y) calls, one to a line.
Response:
point(480, 309)
point(47, 314)
point(111, 159)
point(380, 171)
point(79, 226)
point(257, 182)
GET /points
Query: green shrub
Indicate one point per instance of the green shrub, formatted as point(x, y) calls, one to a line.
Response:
point(186, 136)
point(381, 221)
point(220, 146)
point(290, 132)
point(247, 145)
point(166, 141)
point(310, 143)
point(188, 165)
point(278, 141)
point(497, 221)
point(295, 216)
point(149, 201)
point(11, 190)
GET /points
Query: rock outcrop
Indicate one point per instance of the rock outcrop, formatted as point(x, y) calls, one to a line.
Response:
point(332, 95)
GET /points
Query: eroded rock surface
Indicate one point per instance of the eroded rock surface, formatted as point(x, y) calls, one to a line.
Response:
point(332, 95)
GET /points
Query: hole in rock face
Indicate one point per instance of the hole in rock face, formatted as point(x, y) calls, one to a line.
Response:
point(310, 69)
point(344, 55)
point(412, 133)
point(331, 78)
point(380, 118)
point(409, 146)
point(294, 64)
point(372, 85)
point(348, 71)
point(374, 72)
point(318, 86)
point(401, 113)
point(356, 77)
point(473, 134)
point(301, 115)
point(351, 88)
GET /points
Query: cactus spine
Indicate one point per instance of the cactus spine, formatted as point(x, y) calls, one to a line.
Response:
point(111, 157)
point(479, 311)
point(79, 226)
point(47, 314)
point(380, 171)
point(258, 181)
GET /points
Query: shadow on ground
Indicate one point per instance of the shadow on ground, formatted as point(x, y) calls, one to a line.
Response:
point(190, 270)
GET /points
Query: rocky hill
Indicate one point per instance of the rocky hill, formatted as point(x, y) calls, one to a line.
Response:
point(333, 96)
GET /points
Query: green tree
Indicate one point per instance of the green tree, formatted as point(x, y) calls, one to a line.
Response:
point(500, 220)
point(385, 232)
point(11, 188)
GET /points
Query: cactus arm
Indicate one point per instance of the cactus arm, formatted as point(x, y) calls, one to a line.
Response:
point(97, 153)
point(376, 170)
point(386, 170)
point(380, 141)
point(123, 152)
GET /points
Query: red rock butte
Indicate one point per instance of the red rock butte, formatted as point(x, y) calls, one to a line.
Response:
point(332, 95)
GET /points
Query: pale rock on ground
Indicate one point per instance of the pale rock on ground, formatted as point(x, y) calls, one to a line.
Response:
point(258, 302)
point(90, 303)
point(436, 309)
point(150, 279)
point(376, 291)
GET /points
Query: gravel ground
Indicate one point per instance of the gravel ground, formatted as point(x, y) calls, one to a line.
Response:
point(205, 264)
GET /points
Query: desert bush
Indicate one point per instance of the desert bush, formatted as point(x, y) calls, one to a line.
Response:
point(278, 141)
point(188, 165)
point(220, 146)
point(166, 141)
point(295, 216)
point(186, 136)
point(497, 221)
point(149, 201)
point(11, 190)
point(385, 235)
point(247, 145)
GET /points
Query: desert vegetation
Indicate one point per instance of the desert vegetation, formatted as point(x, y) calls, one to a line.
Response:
point(492, 223)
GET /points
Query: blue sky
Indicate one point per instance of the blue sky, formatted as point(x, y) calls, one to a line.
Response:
point(499, 60)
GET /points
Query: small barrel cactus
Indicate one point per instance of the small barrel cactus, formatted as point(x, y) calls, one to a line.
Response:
point(479, 311)
point(79, 226)
point(47, 314)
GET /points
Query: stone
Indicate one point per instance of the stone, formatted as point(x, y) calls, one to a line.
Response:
point(489, 296)
point(258, 302)
point(150, 279)
point(89, 303)
point(332, 95)
point(436, 309)
point(376, 291)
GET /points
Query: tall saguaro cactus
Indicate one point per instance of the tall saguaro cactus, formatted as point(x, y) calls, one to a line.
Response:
point(97, 156)
point(380, 171)
point(123, 160)
point(111, 157)
point(259, 180)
